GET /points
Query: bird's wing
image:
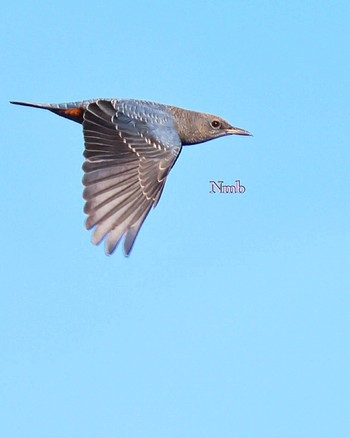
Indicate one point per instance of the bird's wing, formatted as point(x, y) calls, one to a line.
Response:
point(129, 152)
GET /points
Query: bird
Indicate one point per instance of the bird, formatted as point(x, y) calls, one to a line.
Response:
point(130, 148)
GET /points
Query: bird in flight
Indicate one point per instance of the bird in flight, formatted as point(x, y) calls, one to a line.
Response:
point(130, 148)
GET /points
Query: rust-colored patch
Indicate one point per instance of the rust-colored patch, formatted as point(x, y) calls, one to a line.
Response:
point(75, 114)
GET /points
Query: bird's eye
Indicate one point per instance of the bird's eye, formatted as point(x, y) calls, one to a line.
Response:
point(215, 124)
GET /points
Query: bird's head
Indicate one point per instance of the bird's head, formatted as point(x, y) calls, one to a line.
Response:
point(195, 127)
point(215, 127)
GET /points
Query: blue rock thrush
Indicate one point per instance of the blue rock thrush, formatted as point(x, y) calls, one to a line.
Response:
point(130, 148)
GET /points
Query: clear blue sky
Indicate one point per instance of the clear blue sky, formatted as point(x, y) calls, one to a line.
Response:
point(231, 316)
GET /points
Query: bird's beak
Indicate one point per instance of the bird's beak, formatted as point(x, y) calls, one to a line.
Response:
point(237, 131)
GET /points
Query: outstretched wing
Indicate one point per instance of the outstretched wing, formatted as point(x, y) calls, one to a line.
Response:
point(130, 147)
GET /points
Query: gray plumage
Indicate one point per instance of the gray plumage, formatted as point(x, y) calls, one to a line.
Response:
point(130, 148)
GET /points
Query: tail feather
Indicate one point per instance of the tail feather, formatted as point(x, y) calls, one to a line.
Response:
point(34, 105)
point(72, 111)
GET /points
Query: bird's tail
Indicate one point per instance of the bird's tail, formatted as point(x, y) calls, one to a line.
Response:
point(72, 111)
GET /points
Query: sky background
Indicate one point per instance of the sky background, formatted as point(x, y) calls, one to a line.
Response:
point(231, 316)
